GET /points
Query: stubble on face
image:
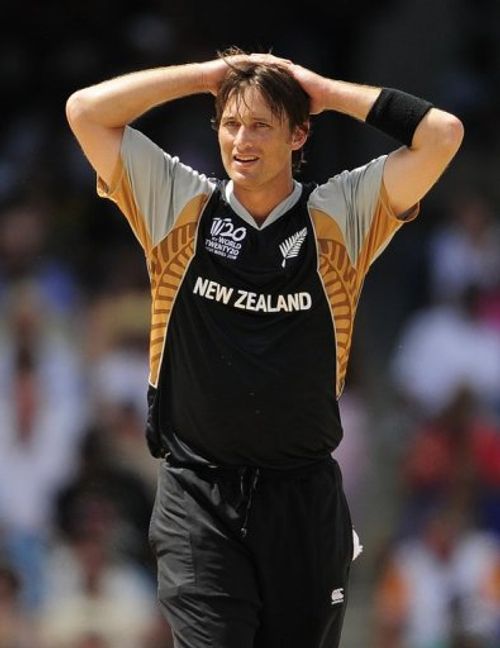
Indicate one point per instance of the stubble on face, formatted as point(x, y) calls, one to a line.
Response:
point(255, 143)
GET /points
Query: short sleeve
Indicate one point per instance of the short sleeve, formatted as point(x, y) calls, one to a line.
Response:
point(151, 187)
point(358, 202)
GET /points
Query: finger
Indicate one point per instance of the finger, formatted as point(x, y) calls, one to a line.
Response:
point(270, 59)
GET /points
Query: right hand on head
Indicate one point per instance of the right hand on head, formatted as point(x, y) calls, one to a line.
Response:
point(213, 72)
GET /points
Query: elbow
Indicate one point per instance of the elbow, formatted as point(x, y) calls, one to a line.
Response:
point(77, 107)
point(451, 134)
point(440, 132)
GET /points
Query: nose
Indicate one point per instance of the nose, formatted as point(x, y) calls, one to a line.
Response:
point(242, 138)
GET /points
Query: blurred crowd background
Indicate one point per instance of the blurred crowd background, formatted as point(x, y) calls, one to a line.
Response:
point(421, 453)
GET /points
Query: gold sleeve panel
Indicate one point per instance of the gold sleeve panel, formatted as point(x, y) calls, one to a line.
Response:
point(341, 284)
point(120, 192)
point(384, 225)
point(168, 263)
point(341, 279)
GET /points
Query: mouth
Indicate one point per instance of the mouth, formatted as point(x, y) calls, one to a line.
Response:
point(245, 160)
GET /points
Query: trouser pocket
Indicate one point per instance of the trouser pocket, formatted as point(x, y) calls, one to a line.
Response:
point(169, 534)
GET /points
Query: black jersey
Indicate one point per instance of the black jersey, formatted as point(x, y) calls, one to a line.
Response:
point(251, 326)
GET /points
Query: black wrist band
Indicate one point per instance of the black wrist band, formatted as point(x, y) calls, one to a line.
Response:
point(398, 114)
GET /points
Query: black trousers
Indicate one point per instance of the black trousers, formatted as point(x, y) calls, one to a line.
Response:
point(251, 558)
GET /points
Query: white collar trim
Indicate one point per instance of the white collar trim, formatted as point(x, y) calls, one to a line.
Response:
point(278, 211)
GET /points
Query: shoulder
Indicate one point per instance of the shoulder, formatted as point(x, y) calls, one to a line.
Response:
point(343, 188)
point(141, 153)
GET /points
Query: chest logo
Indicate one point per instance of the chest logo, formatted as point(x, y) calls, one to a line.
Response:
point(225, 239)
point(290, 247)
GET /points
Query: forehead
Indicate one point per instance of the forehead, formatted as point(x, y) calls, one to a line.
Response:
point(249, 102)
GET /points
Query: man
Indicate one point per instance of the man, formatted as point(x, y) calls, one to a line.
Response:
point(255, 283)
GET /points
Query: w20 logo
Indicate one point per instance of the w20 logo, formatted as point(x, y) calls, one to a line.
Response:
point(225, 227)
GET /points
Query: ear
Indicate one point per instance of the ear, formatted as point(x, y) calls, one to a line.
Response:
point(299, 136)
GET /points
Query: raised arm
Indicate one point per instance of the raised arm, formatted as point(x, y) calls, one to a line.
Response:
point(434, 135)
point(98, 114)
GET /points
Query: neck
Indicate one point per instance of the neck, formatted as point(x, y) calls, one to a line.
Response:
point(260, 202)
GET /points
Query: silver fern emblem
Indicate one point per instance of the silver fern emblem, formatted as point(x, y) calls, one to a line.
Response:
point(291, 246)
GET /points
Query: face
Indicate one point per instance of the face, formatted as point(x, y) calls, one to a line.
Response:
point(256, 146)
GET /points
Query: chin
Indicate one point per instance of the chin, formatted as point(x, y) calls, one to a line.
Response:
point(243, 180)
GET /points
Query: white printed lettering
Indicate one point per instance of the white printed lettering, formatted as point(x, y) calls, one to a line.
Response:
point(293, 302)
point(261, 303)
point(282, 305)
point(251, 301)
point(223, 294)
point(305, 301)
point(210, 293)
point(200, 286)
point(239, 300)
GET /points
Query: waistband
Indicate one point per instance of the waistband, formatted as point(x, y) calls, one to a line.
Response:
point(249, 477)
point(217, 470)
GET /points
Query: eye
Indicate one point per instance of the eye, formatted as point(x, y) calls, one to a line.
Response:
point(261, 124)
point(231, 123)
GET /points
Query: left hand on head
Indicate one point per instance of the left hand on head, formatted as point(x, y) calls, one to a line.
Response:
point(313, 84)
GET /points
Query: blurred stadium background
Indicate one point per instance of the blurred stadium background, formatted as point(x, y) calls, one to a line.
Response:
point(421, 453)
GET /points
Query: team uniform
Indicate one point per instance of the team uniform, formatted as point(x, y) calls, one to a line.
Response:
point(250, 335)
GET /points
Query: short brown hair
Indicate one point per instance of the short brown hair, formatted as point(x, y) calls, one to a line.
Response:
point(282, 92)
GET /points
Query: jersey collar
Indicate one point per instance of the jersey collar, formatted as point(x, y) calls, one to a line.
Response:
point(276, 213)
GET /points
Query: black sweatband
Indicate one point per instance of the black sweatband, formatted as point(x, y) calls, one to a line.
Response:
point(398, 114)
